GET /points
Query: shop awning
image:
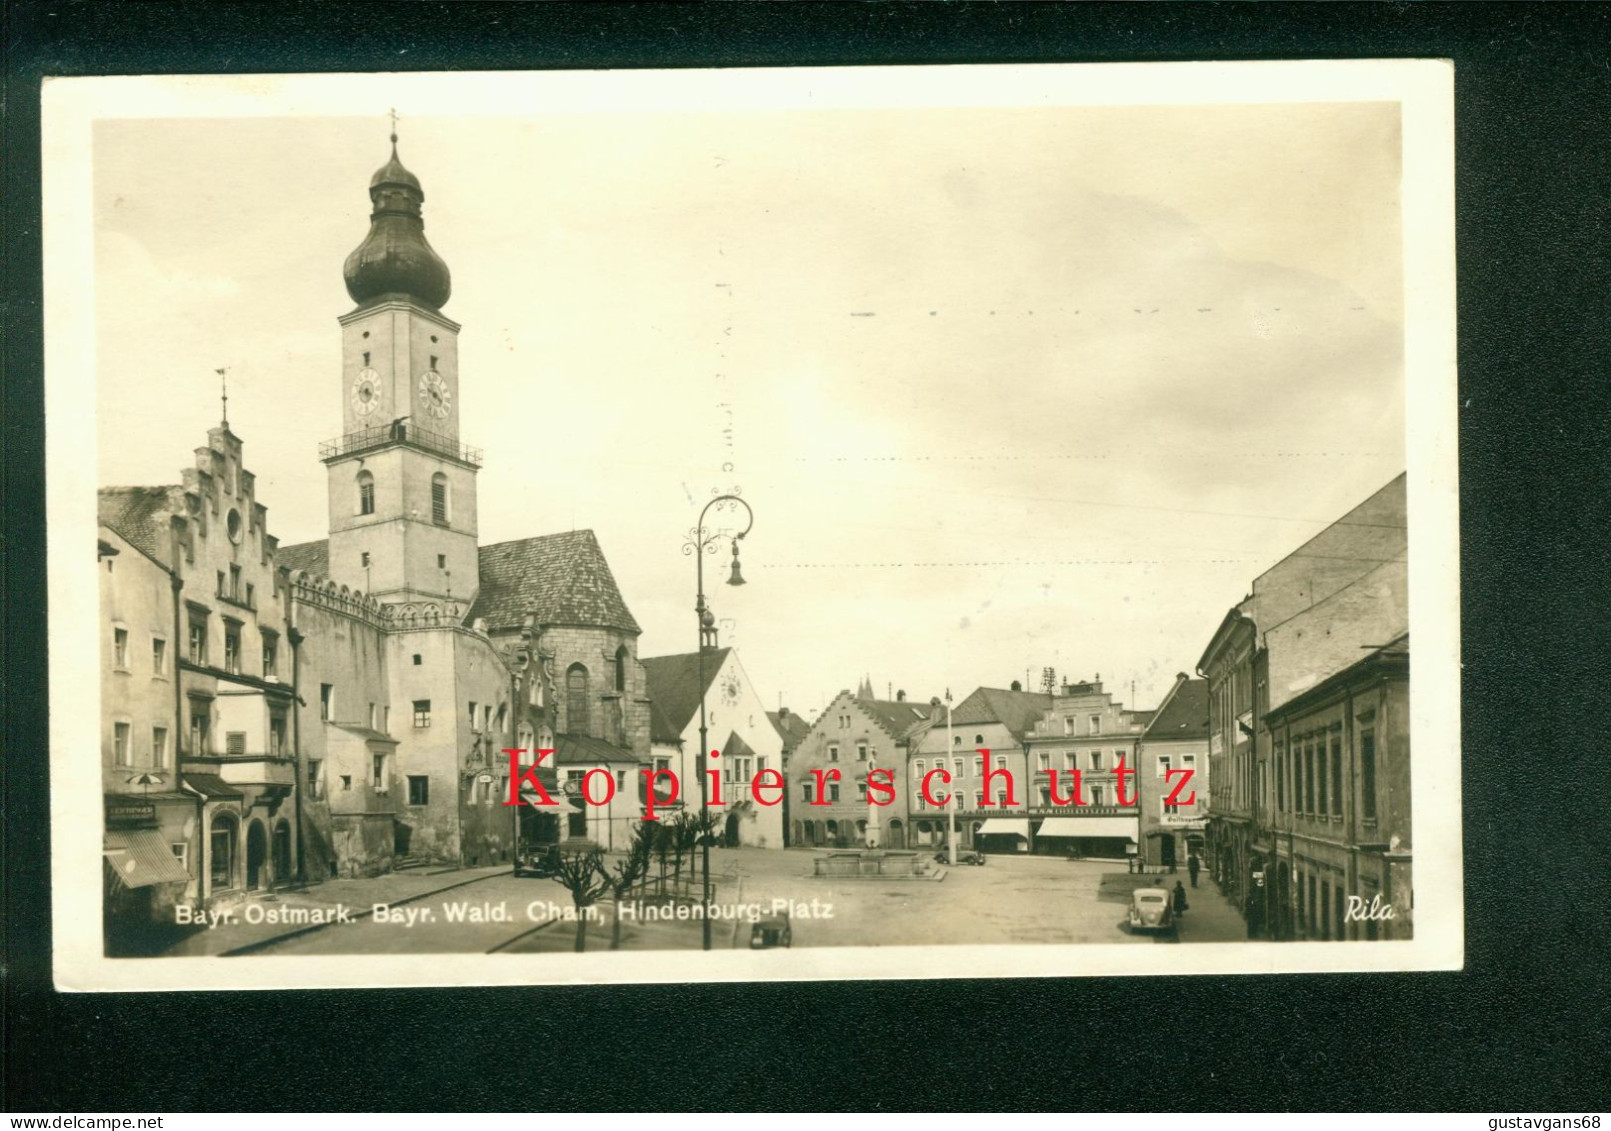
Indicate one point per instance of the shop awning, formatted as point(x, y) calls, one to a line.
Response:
point(1003, 826)
point(1124, 827)
point(140, 858)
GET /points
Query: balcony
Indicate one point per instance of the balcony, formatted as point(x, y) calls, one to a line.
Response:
point(399, 432)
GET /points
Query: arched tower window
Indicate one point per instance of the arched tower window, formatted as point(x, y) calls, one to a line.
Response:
point(576, 700)
point(440, 511)
point(366, 493)
point(621, 658)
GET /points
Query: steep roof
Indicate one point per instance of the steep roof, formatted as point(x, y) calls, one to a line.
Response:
point(557, 578)
point(790, 727)
point(736, 747)
point(674, 690)
point(311, 557)
point(895, 716)
point(140, 515)
point(1018, 711)
point(1184, 713)
point(582, 749)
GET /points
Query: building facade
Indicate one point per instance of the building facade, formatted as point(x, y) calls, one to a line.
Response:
point(743, 740)
point(987, 732)
point(1174, 805)
point(1307, 620)
point(1085, 731)
point(279, 714)
point(855, 735)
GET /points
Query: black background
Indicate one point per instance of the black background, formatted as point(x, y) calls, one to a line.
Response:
point(1523, 1027)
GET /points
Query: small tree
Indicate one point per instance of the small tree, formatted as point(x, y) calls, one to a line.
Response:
point(687, 836)
point(583, 875)
point(627, 872)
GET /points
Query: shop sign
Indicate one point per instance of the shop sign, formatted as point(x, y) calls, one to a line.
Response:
point(123, 814)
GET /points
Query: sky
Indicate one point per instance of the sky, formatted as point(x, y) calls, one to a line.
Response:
point(1008, 388)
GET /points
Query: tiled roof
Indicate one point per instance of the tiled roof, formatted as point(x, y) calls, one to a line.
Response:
point(674, 690)
point(1018, 711)
point(736, 747)
point(140, 515)
point(582, 749)
point(791, 728)
point(311, 557)
point(557, 578)
point(1184, 713)
point(896, 716)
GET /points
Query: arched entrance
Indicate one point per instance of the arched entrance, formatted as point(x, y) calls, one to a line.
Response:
point(897, 834)
point(256, 854)
point(731, 835)
point(282, 851)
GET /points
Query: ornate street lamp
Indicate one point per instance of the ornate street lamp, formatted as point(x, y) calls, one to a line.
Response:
point(701, 542)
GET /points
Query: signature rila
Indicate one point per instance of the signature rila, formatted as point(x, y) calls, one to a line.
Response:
point(1358, 909)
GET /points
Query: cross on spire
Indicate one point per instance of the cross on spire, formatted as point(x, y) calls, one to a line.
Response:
point(223, 382)
point(394, 124)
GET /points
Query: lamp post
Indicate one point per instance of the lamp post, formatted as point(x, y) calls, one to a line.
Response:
point(699, 544)
point(951, 809)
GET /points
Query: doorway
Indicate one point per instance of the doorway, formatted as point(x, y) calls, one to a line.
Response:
point(256, 854)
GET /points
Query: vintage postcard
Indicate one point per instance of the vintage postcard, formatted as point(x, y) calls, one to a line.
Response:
point(901, 522)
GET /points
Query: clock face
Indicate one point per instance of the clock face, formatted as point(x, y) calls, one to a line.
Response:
point(435, 394)
point(730, 689)
point(366, 392)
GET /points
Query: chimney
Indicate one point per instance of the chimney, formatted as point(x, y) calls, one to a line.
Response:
point(783, 713)
point(900, 697)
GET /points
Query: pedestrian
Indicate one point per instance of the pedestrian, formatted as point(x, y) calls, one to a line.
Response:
point(1192, 866)
point(1180, 898)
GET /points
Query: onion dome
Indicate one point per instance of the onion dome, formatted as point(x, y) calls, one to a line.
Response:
point(395, 257)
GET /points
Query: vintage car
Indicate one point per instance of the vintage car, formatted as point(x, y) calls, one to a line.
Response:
point(537, 860)
point(964, 856)
point(770, 931)
point(1152, 909)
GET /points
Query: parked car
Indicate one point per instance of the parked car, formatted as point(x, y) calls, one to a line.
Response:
point(770, 931)
point(1152, 909)
point(964, 856)
point(537, 860)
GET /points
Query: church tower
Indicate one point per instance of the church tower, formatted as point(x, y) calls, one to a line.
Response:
point(402, 485)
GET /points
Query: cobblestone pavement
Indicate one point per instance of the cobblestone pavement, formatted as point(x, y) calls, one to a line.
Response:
point(1020, 899)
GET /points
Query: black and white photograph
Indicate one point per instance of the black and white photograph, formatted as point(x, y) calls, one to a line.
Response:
point(737, 525)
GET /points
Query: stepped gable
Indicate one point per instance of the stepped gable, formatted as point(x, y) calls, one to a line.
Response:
point(674, 690)
point(552, 578)
point(140, 516)
point(309, 557)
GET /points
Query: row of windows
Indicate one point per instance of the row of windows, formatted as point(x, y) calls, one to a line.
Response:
point(198, 646)
point(157, 752)
point(1313, 765)
point(441, 497)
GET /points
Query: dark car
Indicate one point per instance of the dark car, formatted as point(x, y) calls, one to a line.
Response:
point(964, 856)
point(773, 930)
point(537, 860)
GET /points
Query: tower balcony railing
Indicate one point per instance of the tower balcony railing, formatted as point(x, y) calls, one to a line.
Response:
point(400, 432)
